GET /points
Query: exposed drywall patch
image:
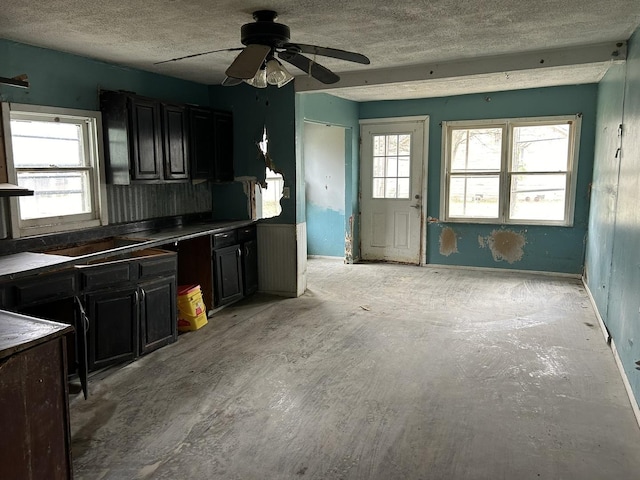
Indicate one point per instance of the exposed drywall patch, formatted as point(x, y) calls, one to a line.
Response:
point(506, 245)
point(348, 242)
point(448, 242)
point(482, 242)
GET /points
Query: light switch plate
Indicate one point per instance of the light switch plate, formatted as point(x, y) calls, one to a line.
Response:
point(286, 193)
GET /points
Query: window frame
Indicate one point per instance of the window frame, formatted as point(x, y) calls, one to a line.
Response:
point(92, 143)
point(504, 194)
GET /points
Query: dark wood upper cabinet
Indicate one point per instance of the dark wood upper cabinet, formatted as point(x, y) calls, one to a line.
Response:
point(176, 142)
point(223, 164)
point(145, 132)
point(202, 143)
point(147, 140)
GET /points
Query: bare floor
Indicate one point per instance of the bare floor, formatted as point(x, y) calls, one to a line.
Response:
point(377, 372)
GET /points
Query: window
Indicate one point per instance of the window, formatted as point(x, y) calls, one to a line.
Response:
point(391, 166)
point(56, 153)
point(514, 171)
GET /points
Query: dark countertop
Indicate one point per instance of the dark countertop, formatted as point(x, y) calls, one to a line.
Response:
point(24, 264)
point(20, 332)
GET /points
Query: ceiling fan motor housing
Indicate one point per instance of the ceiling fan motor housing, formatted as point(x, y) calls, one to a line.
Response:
point(265, 31)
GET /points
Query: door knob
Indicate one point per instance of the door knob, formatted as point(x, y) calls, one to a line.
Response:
point(416, 206)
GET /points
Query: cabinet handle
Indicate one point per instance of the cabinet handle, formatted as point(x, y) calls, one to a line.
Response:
point(239, 252)
point(144, 295)
point(246, 251)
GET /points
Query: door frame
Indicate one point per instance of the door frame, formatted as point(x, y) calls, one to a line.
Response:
point(423, 187)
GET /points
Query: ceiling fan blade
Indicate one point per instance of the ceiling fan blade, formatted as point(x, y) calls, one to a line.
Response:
point(231, 82)
point(198, 54)
point(314, 69)
point(248, 62)
point(327, 52)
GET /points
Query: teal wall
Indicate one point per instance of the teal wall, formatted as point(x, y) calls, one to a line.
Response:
point(253, 109)
point(323, 108)
point(554, 249)
point(64, 80)
point(613, 265)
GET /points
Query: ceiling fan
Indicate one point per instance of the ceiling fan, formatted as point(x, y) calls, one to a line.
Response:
point(263, 40)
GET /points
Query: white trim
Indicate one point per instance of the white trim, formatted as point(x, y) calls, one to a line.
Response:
point(94, 157)
point(603, 327)
point(625, 381)
point(384, 121)
point(616, 356)
point(507, 125)
point(326, 257)
point(576, 276)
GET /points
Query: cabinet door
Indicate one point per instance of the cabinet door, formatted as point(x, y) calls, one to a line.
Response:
point(144, 135)
point(223, 165)
point(158, 315)
point(176, 150)
point(250, 266)
point(202, 129)
point(113, 327)
point(228, 274)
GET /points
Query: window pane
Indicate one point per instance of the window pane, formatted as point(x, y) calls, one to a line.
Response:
point(392, 144)
point(404, 167)
point(56, 193)
point(404, 145)
point(379, 145)
point(378, 188)
point(403, 188)
point(392, 167)
point(474, 197)
point(537, 197)
point(390, 190)
point(45, 144)
point(543, 148)
point(378, 166)
point(477, 149)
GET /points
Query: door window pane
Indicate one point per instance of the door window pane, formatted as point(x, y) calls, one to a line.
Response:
point(392, 166)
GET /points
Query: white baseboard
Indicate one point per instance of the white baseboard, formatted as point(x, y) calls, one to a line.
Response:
point(616, 356)
point(577, 276)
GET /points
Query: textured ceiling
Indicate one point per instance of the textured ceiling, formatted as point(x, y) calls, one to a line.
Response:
point(392, 33)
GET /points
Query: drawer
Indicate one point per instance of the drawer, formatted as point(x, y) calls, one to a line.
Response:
point(224, 239)
point(46, 287)
point(105, 275)
point(155, 267)
point(246, 233)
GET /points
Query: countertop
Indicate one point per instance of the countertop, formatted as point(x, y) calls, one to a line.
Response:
point(24, 264)
point(20, 332)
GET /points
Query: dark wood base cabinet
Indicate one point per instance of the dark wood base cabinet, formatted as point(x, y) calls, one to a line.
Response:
point(34, 400)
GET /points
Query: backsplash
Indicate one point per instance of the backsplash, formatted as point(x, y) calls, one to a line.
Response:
point(130, 203)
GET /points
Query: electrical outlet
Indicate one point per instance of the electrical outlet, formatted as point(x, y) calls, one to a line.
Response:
point(286, 193)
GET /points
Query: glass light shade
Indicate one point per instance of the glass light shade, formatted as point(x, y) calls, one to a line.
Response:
point(259, 80)
point(277, 74)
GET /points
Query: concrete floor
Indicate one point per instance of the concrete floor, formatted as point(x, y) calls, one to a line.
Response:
point(377, 372)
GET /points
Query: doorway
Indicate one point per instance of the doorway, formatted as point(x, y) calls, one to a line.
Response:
point(324, 154)
point(393, 189)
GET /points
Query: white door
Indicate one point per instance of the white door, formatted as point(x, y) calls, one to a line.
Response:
point(391, 186)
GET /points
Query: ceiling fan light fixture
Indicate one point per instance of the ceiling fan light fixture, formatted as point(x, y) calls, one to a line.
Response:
point(277, 74)
point(259, 80)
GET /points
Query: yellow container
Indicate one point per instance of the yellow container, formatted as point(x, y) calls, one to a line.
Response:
point(192, 313)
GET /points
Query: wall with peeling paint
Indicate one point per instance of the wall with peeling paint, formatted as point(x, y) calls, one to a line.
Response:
point(253, 109)
point(324, 173)
point(613, 258)
point(323, 108)
point(554, 249)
